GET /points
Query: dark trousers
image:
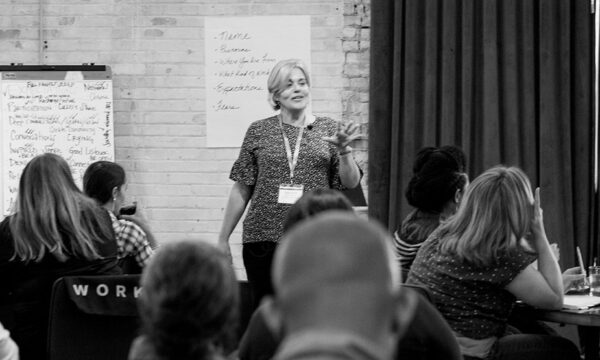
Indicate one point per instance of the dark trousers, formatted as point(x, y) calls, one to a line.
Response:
point(533, 347)
point(258, 257)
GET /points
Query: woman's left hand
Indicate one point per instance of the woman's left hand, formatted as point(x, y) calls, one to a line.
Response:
point(346, 133)
point(537, 222)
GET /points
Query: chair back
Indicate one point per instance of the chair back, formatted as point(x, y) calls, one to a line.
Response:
point(93, 317)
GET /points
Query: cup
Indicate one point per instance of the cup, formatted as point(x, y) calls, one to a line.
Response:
point(594, 280)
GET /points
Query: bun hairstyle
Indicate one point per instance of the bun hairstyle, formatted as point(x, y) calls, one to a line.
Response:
point(437, 174)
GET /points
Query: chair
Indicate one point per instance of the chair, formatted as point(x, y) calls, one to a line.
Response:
point(129, 265)
point(93, 317)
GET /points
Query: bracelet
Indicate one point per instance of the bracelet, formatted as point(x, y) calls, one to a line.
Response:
point(342, 153)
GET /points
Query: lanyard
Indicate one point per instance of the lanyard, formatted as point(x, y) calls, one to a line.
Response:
point(292, 159)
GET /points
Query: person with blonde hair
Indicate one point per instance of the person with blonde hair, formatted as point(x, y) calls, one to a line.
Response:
point(55, 231)
point(479, 262)
point(281, 157)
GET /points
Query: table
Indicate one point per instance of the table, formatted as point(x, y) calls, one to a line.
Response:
point(588, 322)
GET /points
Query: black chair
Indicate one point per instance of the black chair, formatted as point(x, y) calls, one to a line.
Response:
point(93, 317)
point(129, 265)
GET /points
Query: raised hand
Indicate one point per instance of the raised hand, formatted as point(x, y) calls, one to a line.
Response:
point(537, 222)
point(346, 133)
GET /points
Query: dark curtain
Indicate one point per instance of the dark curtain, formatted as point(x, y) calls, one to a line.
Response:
point(509, 81)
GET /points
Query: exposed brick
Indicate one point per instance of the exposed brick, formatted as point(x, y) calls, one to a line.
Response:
point(153, 33)
point(9, 34)
point(164, 21)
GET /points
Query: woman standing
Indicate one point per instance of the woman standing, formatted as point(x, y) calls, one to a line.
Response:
point(55, 231)
point(478, 262)
point(281, 157)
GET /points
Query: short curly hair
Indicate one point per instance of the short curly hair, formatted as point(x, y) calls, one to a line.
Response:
point(189, 301)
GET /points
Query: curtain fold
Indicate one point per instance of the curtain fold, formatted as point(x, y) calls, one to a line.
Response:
point(509, 81)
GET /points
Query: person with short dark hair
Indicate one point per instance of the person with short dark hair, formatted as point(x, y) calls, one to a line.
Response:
point(480, 261)
point(336, 290)
point(427, 336)
point(105, 181)
point(439, 179)
point(188, 304)
point(55, 231)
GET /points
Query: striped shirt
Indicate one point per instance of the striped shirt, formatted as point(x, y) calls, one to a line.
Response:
point(415, 229)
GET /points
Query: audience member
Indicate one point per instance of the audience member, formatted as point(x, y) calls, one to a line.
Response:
point(435, 189)
point(55, 231)
point(335, 290)
point(427, 337)
point(314, 202)
point(479, 261)
point(105, 182)
point(188, 304)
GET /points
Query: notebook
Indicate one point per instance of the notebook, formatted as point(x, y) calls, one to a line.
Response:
point(580, 302)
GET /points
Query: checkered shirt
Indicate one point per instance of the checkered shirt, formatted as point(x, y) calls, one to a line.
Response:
point(131, 240)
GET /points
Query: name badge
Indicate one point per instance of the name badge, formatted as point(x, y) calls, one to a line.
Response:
point(289, 193)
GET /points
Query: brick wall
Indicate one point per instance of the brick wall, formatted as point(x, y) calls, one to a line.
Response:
point(355, 91)
point(155, 49)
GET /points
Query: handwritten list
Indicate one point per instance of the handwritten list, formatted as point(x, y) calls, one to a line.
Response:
point(239, 55)
point(73, 119)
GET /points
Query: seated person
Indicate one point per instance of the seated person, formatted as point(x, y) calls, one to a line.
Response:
point(105, 182)
point(428, 337)
point(341, 306)
point(55, 231)
point(335, 291)
point(434, 190)
point(478, 262)
point(188, 304)
point(314, 202)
